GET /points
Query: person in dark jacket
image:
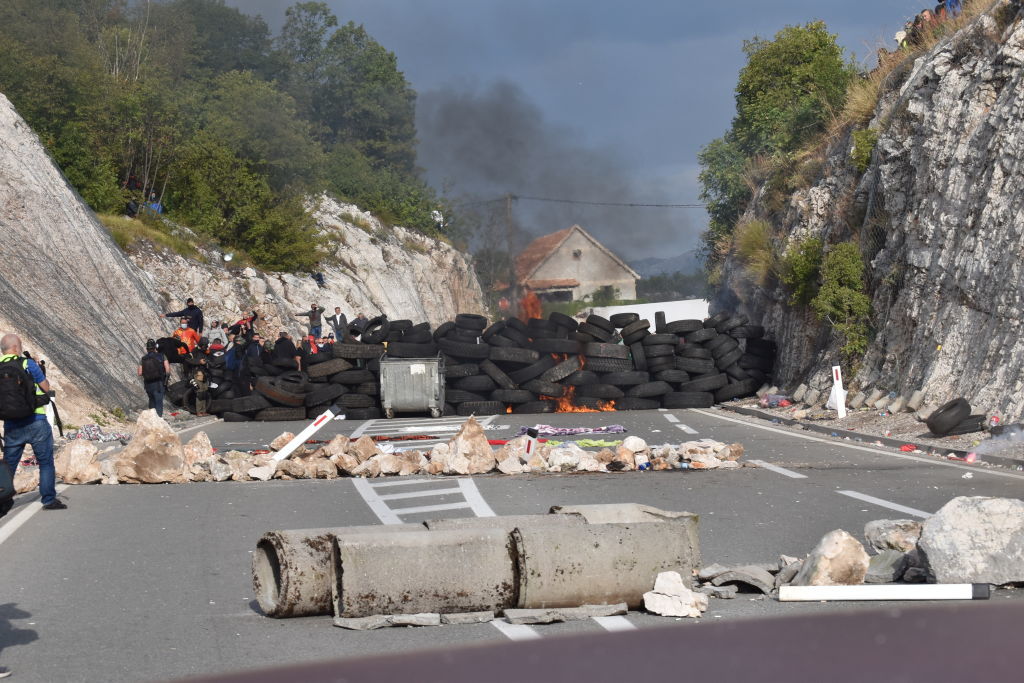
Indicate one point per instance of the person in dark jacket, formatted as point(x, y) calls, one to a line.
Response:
point(338, 321)
point(192, 312)
point(314, 314)
point(284, 349)
point(153, 384)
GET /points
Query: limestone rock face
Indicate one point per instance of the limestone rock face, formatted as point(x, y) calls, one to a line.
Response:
point(838, 559)
point(154, 455)
point(937, 215)
point(975, 540)
point(76, 463)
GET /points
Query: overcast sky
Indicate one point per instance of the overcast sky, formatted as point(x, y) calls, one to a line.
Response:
point(586, 99)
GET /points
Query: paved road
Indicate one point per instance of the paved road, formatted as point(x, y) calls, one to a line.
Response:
point(152, 582)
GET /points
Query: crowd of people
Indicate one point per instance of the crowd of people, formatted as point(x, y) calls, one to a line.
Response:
point(195, 348)
point(926, 21)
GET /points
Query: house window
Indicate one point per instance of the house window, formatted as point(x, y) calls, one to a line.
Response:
point(577, 253)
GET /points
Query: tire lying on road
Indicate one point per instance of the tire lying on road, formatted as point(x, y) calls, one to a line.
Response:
point(947, 416)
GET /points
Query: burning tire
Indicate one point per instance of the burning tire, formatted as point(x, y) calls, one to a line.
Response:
point(602, 391)
point(534, 408)
point(542, 388)
point(563, 369)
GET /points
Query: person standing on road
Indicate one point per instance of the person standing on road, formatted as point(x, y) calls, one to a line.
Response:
point(154, 369)
point(23, 398)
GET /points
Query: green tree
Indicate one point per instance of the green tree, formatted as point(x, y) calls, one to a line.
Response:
point(723, 189)
point(841, 300)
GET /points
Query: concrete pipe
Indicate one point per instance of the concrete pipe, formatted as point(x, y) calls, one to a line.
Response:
point(599, 564)
point(291, 573)
point(632, 513)
point(506, 523)
point(407, 573)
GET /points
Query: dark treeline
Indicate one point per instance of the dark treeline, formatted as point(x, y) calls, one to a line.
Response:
point(227, 124)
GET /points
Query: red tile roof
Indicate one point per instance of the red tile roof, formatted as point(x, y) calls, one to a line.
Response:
point(538, 250)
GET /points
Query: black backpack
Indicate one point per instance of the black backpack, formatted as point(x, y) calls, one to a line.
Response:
point(17, 390)
point(152, 368)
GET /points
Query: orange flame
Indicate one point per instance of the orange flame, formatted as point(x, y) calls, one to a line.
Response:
point(529, 307)
point(566, 403)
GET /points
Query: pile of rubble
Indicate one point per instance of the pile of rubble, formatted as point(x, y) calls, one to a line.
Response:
point(540, 366)
point(155, 455)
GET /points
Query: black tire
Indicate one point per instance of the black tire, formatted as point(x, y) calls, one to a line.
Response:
point(377, 330)
point(659, 321)
point(724, 347)
point(497, 374)
point(463, 336)
point(394, 337)
point(325, 393)
point(532, 371)
point(747, 332)
point(471, 321)
point(639, 356)
point(661, 363)
point(737, 373)
point(542, 388)
point(235, 417)
point(368, 388)
point(563, 369)
point(634, 327)
point(595, 332)
point(735, 390)
point(541, 324)
point(760, 376)
point(592, 403)
point(630, 378)
point(480, 384)
point(401, 325)
point(684, 327)
point(609, 364)
point(620, 320)
point(635, 338)
point(707, 383)
point(762, 347)
point(329, 367)
point(285, 363)
point(513, 355)
point(581, 338)
point(946, 417)
point(461, 370)
point(249, 404)
point(563, 320)
point(649, 390)
point(443, 329)
point(371, 413)
point(356, 401)
point(278, 395)
point(556, 346)
point(688, 399)
point(602, 391)
point(456, 396)
point(353, 377)
point(466, 351)
point(716, 341)
point(409, 350)
point(701, 335)
point(663, 338)
point(598, 350)
point(731, 323)
point(581, 378)
point(516, 324)
point(519, 337)
point(749, 361)
point(974, 423)
point(634, 403)
point(658, 350)
point(535, 408)
point(695, 366)
point(513, 395)
point(493, 330)
point(219, 405)
point(316, 358)
point(502, 341)
point(693, 351)
point(417, 337)
point(716, 319)
point(357, 351)
point(601, 322)
point(673, 376)
point(280, 414)
point(729, 358)
point(481, 408)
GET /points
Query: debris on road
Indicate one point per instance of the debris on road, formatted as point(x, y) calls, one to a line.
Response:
point(893, 534)
point(671, 597)
point(974, 539)
point(839, 558)
point(554, 615)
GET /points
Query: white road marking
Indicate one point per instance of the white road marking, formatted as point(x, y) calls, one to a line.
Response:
point(361, 428)
point(373, 501)
point(615, 623)
point(672, 418)
point(19, 519)
point(515, 631)
point(779, 470)
point(421, 494)
point(874, 451)
point(402, 482)
point(685, 428)
point(886, 504)
point(431, 508)
point(476, 501)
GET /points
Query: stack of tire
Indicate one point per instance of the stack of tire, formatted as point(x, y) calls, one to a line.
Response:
point(510, 366)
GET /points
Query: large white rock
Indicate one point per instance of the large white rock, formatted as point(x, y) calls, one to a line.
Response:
point(671, 597)
point(838, 559)
point(154, 455)
point(975, 540)
point(470, 444)
point(77, 463)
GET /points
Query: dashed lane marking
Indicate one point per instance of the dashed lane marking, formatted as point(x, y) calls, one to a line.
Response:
point(614, 624)
point(779, 470)
point(687, 429)
point(515, 631)
point(672, 418)
point(886, 504)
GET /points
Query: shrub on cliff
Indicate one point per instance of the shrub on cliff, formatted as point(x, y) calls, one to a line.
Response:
point(841, 299)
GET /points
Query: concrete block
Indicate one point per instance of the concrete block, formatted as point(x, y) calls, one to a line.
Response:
point(504, 523)
point(882, 403)
point(812, 396)
point(915, 401)
point(467, 618)
point(858, 400)
point(799, 394)
point(773, 389)
point(412, 572)
point(897, 405)
point(874, 396)
point(362, 623)
point(762, 391)
point(422, 619)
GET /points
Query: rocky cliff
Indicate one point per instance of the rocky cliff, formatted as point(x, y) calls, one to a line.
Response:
point(79, 302)
point(370, 268)
point(939, 216)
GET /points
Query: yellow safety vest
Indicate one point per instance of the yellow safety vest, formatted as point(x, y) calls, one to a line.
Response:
point(41, 410)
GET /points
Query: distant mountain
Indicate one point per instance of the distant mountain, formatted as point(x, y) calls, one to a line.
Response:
point(687, 262)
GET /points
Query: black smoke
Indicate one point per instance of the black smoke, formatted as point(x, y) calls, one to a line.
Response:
point(483, 143)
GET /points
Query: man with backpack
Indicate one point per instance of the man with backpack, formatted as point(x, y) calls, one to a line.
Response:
point(24, 393)
point(154, 369)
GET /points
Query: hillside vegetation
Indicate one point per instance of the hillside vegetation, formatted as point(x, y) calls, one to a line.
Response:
point(228, 125)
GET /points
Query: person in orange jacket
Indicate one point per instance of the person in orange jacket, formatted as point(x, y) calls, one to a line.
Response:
point(186, 335)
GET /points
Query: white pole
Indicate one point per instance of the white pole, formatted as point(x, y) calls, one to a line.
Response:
point(888, 591)
point(309, 431)
point(837, 390)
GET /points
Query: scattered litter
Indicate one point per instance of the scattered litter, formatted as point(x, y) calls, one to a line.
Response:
point(968, 475)
point(548, 430)
point(908, 448)
point(92, 432)
point(774, 401)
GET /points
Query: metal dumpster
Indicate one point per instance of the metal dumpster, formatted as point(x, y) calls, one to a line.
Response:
point(412, 385)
